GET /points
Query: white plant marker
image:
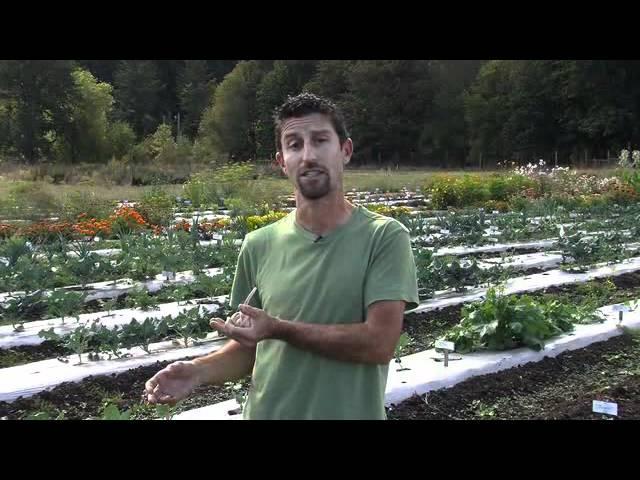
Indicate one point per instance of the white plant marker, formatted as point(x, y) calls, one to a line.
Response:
point(447, 347)
point(609, 408)
point(621, 309)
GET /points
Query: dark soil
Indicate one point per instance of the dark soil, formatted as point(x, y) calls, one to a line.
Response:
point(425, 328)
point(554, 388)
point(87, 398)
point(11, 357)
point(627, 288)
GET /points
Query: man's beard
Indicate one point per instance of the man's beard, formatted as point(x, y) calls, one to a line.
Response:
point(314, 190)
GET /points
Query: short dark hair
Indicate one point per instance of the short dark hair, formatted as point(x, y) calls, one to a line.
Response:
point(306, 104)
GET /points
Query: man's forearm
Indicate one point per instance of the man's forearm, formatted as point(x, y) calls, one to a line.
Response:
point(356, 342)
point(232, 362)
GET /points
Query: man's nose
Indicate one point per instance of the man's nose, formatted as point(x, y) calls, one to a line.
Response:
point(308, 152)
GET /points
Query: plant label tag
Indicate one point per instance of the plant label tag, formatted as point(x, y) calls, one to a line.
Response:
point(216, 236)
point(445, 345)
point(609, 408)
point(168, 275)
point(621, 308)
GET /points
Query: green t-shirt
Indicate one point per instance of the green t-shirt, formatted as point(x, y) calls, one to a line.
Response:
point(327, 281)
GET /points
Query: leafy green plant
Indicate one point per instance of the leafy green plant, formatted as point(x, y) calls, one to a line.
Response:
point(19, 309)
point(112, 412)
point(142, 266)
point(77, 341)
point(14, 248)
point(503, 322)
point(140, 298)
point(105, 340)
point(210, 286)
point(156, 207)
point(455, 274)
point(29, 275)
point(404, 342)
point(64, 303)
point(189, 324)
point(109, 305)
point(166, 412)
point(583, 250)
point(143, 334)
point(86, 266)
point(44, 410)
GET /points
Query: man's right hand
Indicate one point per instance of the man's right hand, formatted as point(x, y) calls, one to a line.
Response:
point(173, 383)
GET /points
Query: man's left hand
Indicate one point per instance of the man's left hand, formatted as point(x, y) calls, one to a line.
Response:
point(252, 326)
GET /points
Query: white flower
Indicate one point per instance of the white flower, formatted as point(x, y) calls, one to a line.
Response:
point(624, 155)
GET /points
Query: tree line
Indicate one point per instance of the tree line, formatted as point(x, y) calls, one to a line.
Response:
point(435, 113)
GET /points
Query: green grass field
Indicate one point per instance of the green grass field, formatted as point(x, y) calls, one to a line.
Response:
point(360, 179)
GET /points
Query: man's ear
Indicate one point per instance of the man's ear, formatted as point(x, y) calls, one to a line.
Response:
point(347, 150)
point(280, 162)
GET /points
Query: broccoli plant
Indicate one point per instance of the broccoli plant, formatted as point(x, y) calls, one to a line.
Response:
point(189, 324)
point(586, 250)
point(14, 248)
point(170, 262)
point(30, 275)
point(142, 334)
point(110, 305)
point(65, 303)
point(210, 286)
point(403, 344)
point(140, 298)
point(455, 274)
point(86, 266)
point(166, 412)
point(18, 309)
point(427, 282)
point(77, 341)
point(112, 412)
point(105, 340)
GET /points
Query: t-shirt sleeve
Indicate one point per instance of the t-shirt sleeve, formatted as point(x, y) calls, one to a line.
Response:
point(392, 272)
point(244, 278)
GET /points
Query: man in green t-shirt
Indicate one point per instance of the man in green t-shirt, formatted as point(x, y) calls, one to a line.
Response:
point(332, 283)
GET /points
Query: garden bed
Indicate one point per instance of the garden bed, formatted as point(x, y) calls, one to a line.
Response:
point(557, 388)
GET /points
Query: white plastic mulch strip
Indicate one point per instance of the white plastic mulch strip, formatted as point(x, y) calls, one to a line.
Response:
point(113, 289)
point(533, 282)
point(195, 213)
point(497, 247)
point(216, 239)
point(423, 373)
point(523, 262)
point(217, 411)
point(103, 252)
point(212, 217)
point(29, 336)
point(29, 379)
